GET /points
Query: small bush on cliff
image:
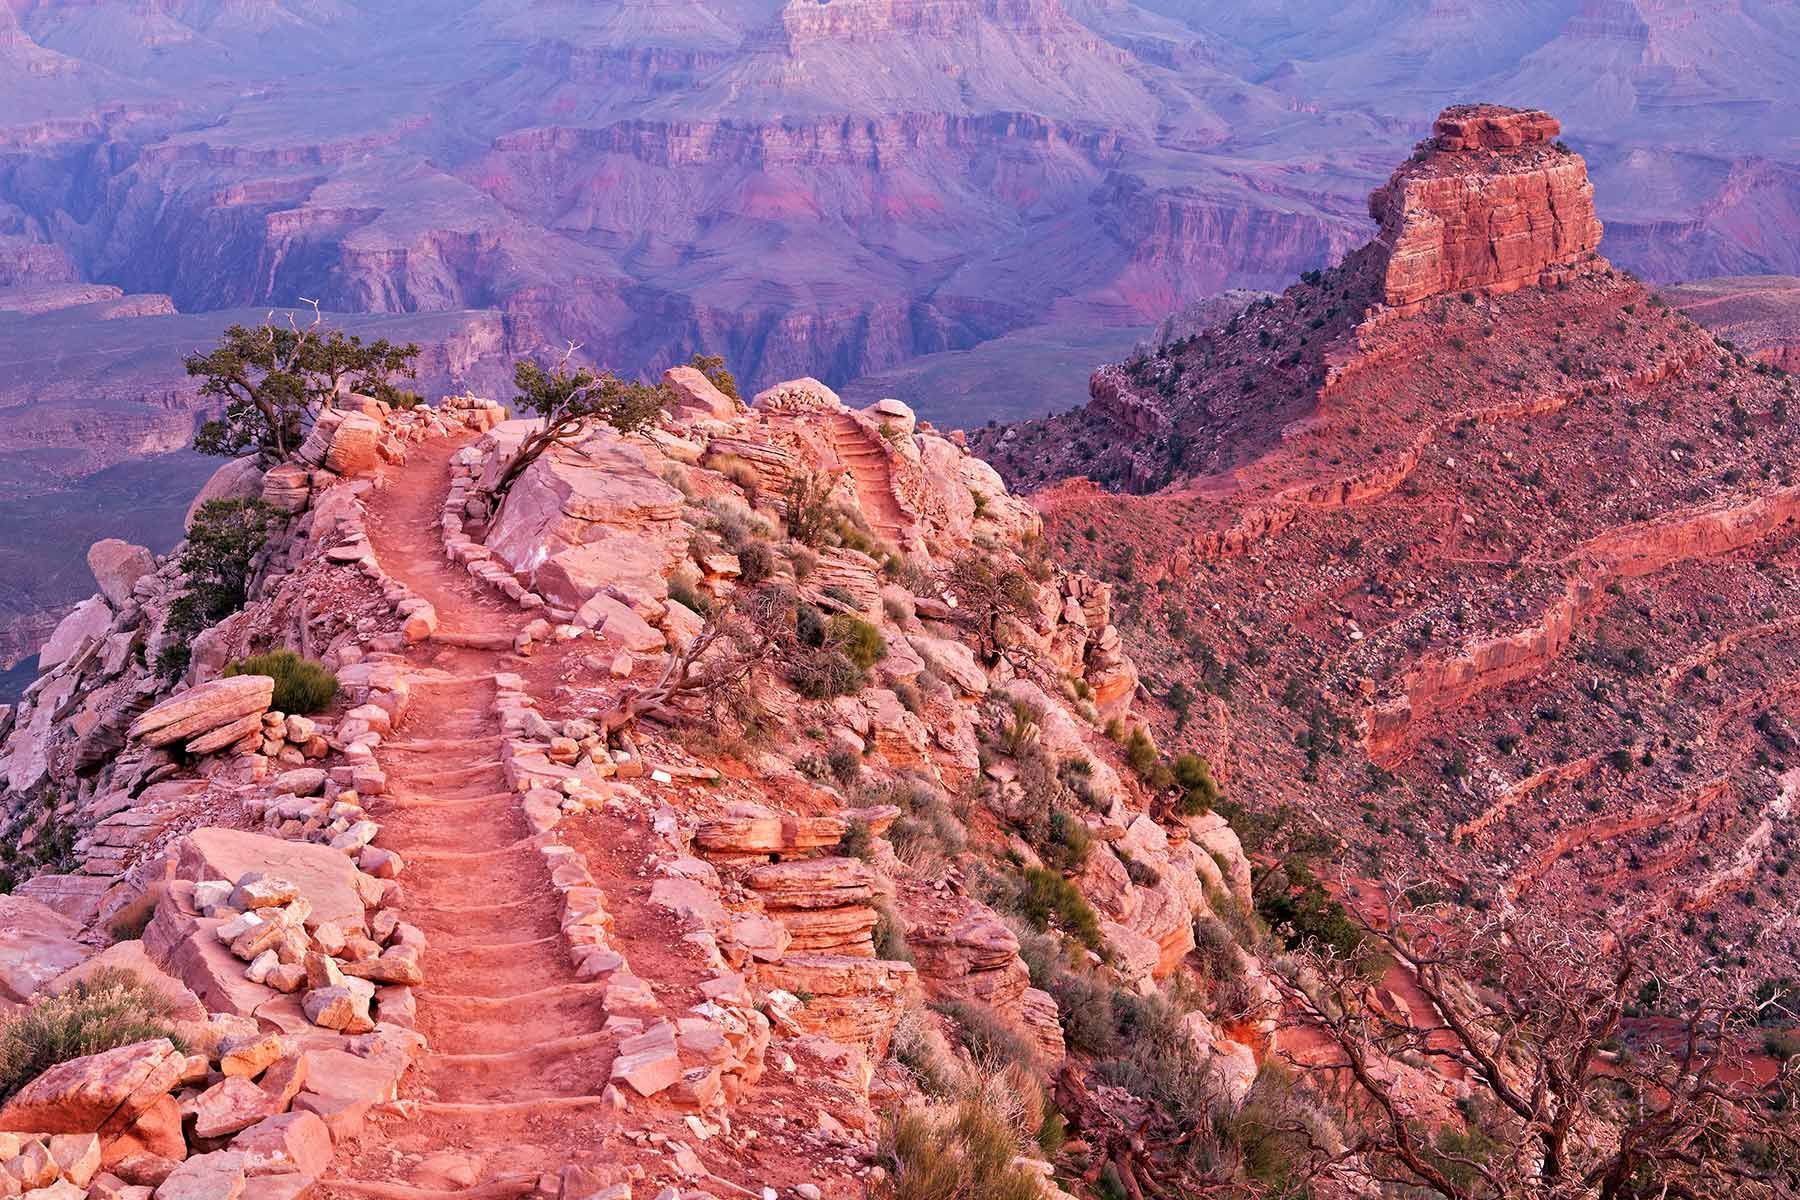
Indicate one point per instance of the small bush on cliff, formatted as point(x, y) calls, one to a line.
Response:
point(713, 367)
point(821, 674)
point(109, 1009)
point(1047, 898)
point(855, 639)
point(990, 1039)
point(302, 685)
point(215, 562)
point(1193, 775)
point(967, 1154)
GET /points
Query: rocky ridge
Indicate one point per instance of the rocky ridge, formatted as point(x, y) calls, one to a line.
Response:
point(476, 938)
point(1515, 549)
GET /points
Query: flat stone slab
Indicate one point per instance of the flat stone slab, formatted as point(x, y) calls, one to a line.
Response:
point(37, 944)
point(326, 877)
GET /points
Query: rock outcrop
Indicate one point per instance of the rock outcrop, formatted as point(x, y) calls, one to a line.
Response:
point(1491, 202)
point(718, 917)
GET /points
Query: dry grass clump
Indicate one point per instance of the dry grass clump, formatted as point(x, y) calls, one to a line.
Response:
point(109, 1009)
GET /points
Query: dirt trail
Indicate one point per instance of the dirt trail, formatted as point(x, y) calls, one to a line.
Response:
point(515, 1067)
point(869, 470)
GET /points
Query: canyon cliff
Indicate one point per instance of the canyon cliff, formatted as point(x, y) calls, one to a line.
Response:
point(1472, 549)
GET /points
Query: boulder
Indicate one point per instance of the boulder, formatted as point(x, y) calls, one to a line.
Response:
point(37, 945)
point(648, 1062)
point(239, 479)
point(696, 395)
point(953, 661)
point(100, 1093)
point(287, 487)
point(89, 622)
point(355, 445)
point(231, 1105)
point(152, 1139)
point(619, 623)
point(803, 395)
point(200, 710)
point(293, 1143)
point(218, 1176)
point(325, 877)
point(895, 415)
point(575, 496)
point(117, 566)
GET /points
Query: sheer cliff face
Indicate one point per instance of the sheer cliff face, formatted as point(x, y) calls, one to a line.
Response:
point(1488, 203)
point(1484, 553)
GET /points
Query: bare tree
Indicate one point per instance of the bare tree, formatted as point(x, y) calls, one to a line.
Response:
point(1530, 1009)
point(744, 630)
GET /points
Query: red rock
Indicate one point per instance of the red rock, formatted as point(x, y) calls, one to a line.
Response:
point(1489, 206)
point(232, 1104)
point(695, 394)
point(218, 1176)
point(101, 1093)
point(155, 1134)
point(292, 1143)
point(36, 946)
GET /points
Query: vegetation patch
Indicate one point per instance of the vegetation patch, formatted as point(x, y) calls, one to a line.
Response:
point(302, 685)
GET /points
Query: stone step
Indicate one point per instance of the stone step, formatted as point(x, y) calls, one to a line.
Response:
point(510, 1187)
point(473, 639)
point(573, 1044)
point(440, 745)
point(525, 1106)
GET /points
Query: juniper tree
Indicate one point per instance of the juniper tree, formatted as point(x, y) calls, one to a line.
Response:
point(567, 399)
point(270, 378)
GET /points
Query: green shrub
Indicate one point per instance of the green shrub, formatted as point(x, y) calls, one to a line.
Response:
point(1157, 1060)
point(845, 767)
point(301, 684)
point(1068, 843)
point(1084, 1006)
point(684, 589)
point(215, 564)
point(1294, 901)
point(756, 562)
point(109, 1009)
point(1047, 898)
point(1193, 775)
point(987, 1035)
point(856, 640)
point(926, 826)
point(857, 842)
point(820, 674)
point(1019, 731)
point(890, 932)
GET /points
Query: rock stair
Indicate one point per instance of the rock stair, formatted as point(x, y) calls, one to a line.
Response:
point(869, 470)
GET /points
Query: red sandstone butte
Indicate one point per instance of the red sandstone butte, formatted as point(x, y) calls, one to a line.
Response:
point(1491, 202)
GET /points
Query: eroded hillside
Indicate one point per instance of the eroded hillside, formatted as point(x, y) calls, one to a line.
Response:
point(1471, 549)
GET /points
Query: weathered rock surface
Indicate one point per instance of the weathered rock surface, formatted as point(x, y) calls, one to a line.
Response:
point(102, 1093)
point(1492, 204)
point(202, 709)
point(37, 945)
point(117, 566)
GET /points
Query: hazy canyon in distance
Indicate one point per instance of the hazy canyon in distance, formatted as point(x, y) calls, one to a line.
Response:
point(965, 203)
